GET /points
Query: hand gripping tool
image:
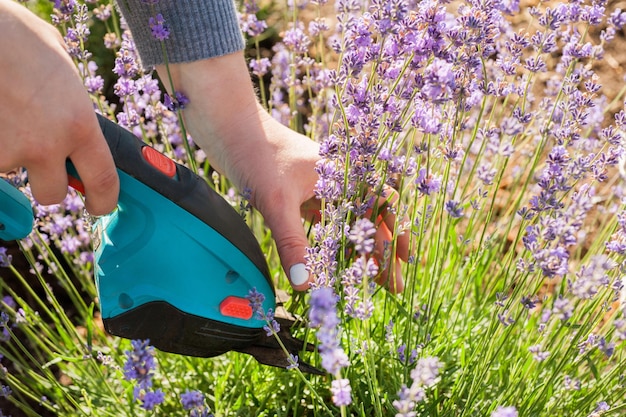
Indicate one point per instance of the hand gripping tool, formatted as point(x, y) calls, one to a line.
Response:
point(174, 262)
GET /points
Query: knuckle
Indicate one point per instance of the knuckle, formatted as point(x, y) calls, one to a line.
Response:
point(289, 241)
point(267, 200)
point(104, 181)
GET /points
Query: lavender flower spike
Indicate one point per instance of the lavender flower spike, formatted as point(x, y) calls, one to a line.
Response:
point(424, 375)
point(323, 315)
point(140, 363)
point(5, 258)
point(158, 28)
point(362, 235)
point(341, 391)
point(152, 398)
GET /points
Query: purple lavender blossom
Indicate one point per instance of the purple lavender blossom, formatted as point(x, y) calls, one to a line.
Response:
point(562, 309)
point(423, 376)
point(341, 392)
point(602, 406)
point(139, 365)
point(317, 27)
point(439, 81)
point(454, 209)
point(103, 12)
point(535, 64)
point(362, 236)
point(5, 257)
point(357, 296)
point(192, 399)
point(428, 183)
point(256, 300)
point(178, 102)
point(501, 411)
point(387, 14)
point(322, 259)
point(260, 66)
point(593, 14)
point(150, 399)
point(592, 277)
point(158, 28)
point(620, 328)
point(323, 316)
point(251, 25)
point(608, 348)
point(571, 384)
point(76, 36)
point(126, 66)
point(426, 372)
point(553, 262)
point(194, 402)
point(5, 336)
point(65, 7)
point(296, 39)
point(538, 354)
point(507, 6)
point(427, 117)
point(587, 344)
point(322, 301)
point(407, 400)
point(94, 84)
point(293, 361)
point(617, 242)
point(272, 327)
point(9, 301)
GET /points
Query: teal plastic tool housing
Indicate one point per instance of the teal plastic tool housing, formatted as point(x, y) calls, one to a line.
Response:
point(16, 213)
point(175, 262)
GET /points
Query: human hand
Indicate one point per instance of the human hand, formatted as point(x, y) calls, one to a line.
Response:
point(389, 257)
point(257, 153)
point(47, 116)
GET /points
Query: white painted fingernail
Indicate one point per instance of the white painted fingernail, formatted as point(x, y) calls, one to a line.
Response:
point(298, 274)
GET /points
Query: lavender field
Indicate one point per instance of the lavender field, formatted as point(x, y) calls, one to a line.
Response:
point(501, 126)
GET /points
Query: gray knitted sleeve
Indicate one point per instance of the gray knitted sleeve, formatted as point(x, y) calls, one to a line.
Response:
point(199, 29)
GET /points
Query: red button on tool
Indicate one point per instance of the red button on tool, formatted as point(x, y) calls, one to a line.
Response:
point(237, 307)
point(76, 184)
point(159, 161)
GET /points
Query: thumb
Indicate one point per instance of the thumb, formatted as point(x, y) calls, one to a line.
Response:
point(291, 243)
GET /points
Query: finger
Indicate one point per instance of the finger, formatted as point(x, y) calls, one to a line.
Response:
point(388, 202)
point(96, 168)
point(48, 181)
point(291, 243)
point(390, 267)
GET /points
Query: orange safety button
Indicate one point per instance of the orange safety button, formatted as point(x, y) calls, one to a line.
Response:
point(159, 161)
point(237, 307)
point(76, 184)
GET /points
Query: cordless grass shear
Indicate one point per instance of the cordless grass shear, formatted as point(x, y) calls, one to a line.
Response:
point(174, 262)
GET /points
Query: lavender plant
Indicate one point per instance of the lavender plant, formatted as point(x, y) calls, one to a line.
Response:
point(491, 121)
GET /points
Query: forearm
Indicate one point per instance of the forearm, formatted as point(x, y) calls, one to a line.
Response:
point(223, 114)
point(199, 29)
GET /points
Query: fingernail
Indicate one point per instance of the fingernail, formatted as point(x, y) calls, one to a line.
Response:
point(298, 274)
